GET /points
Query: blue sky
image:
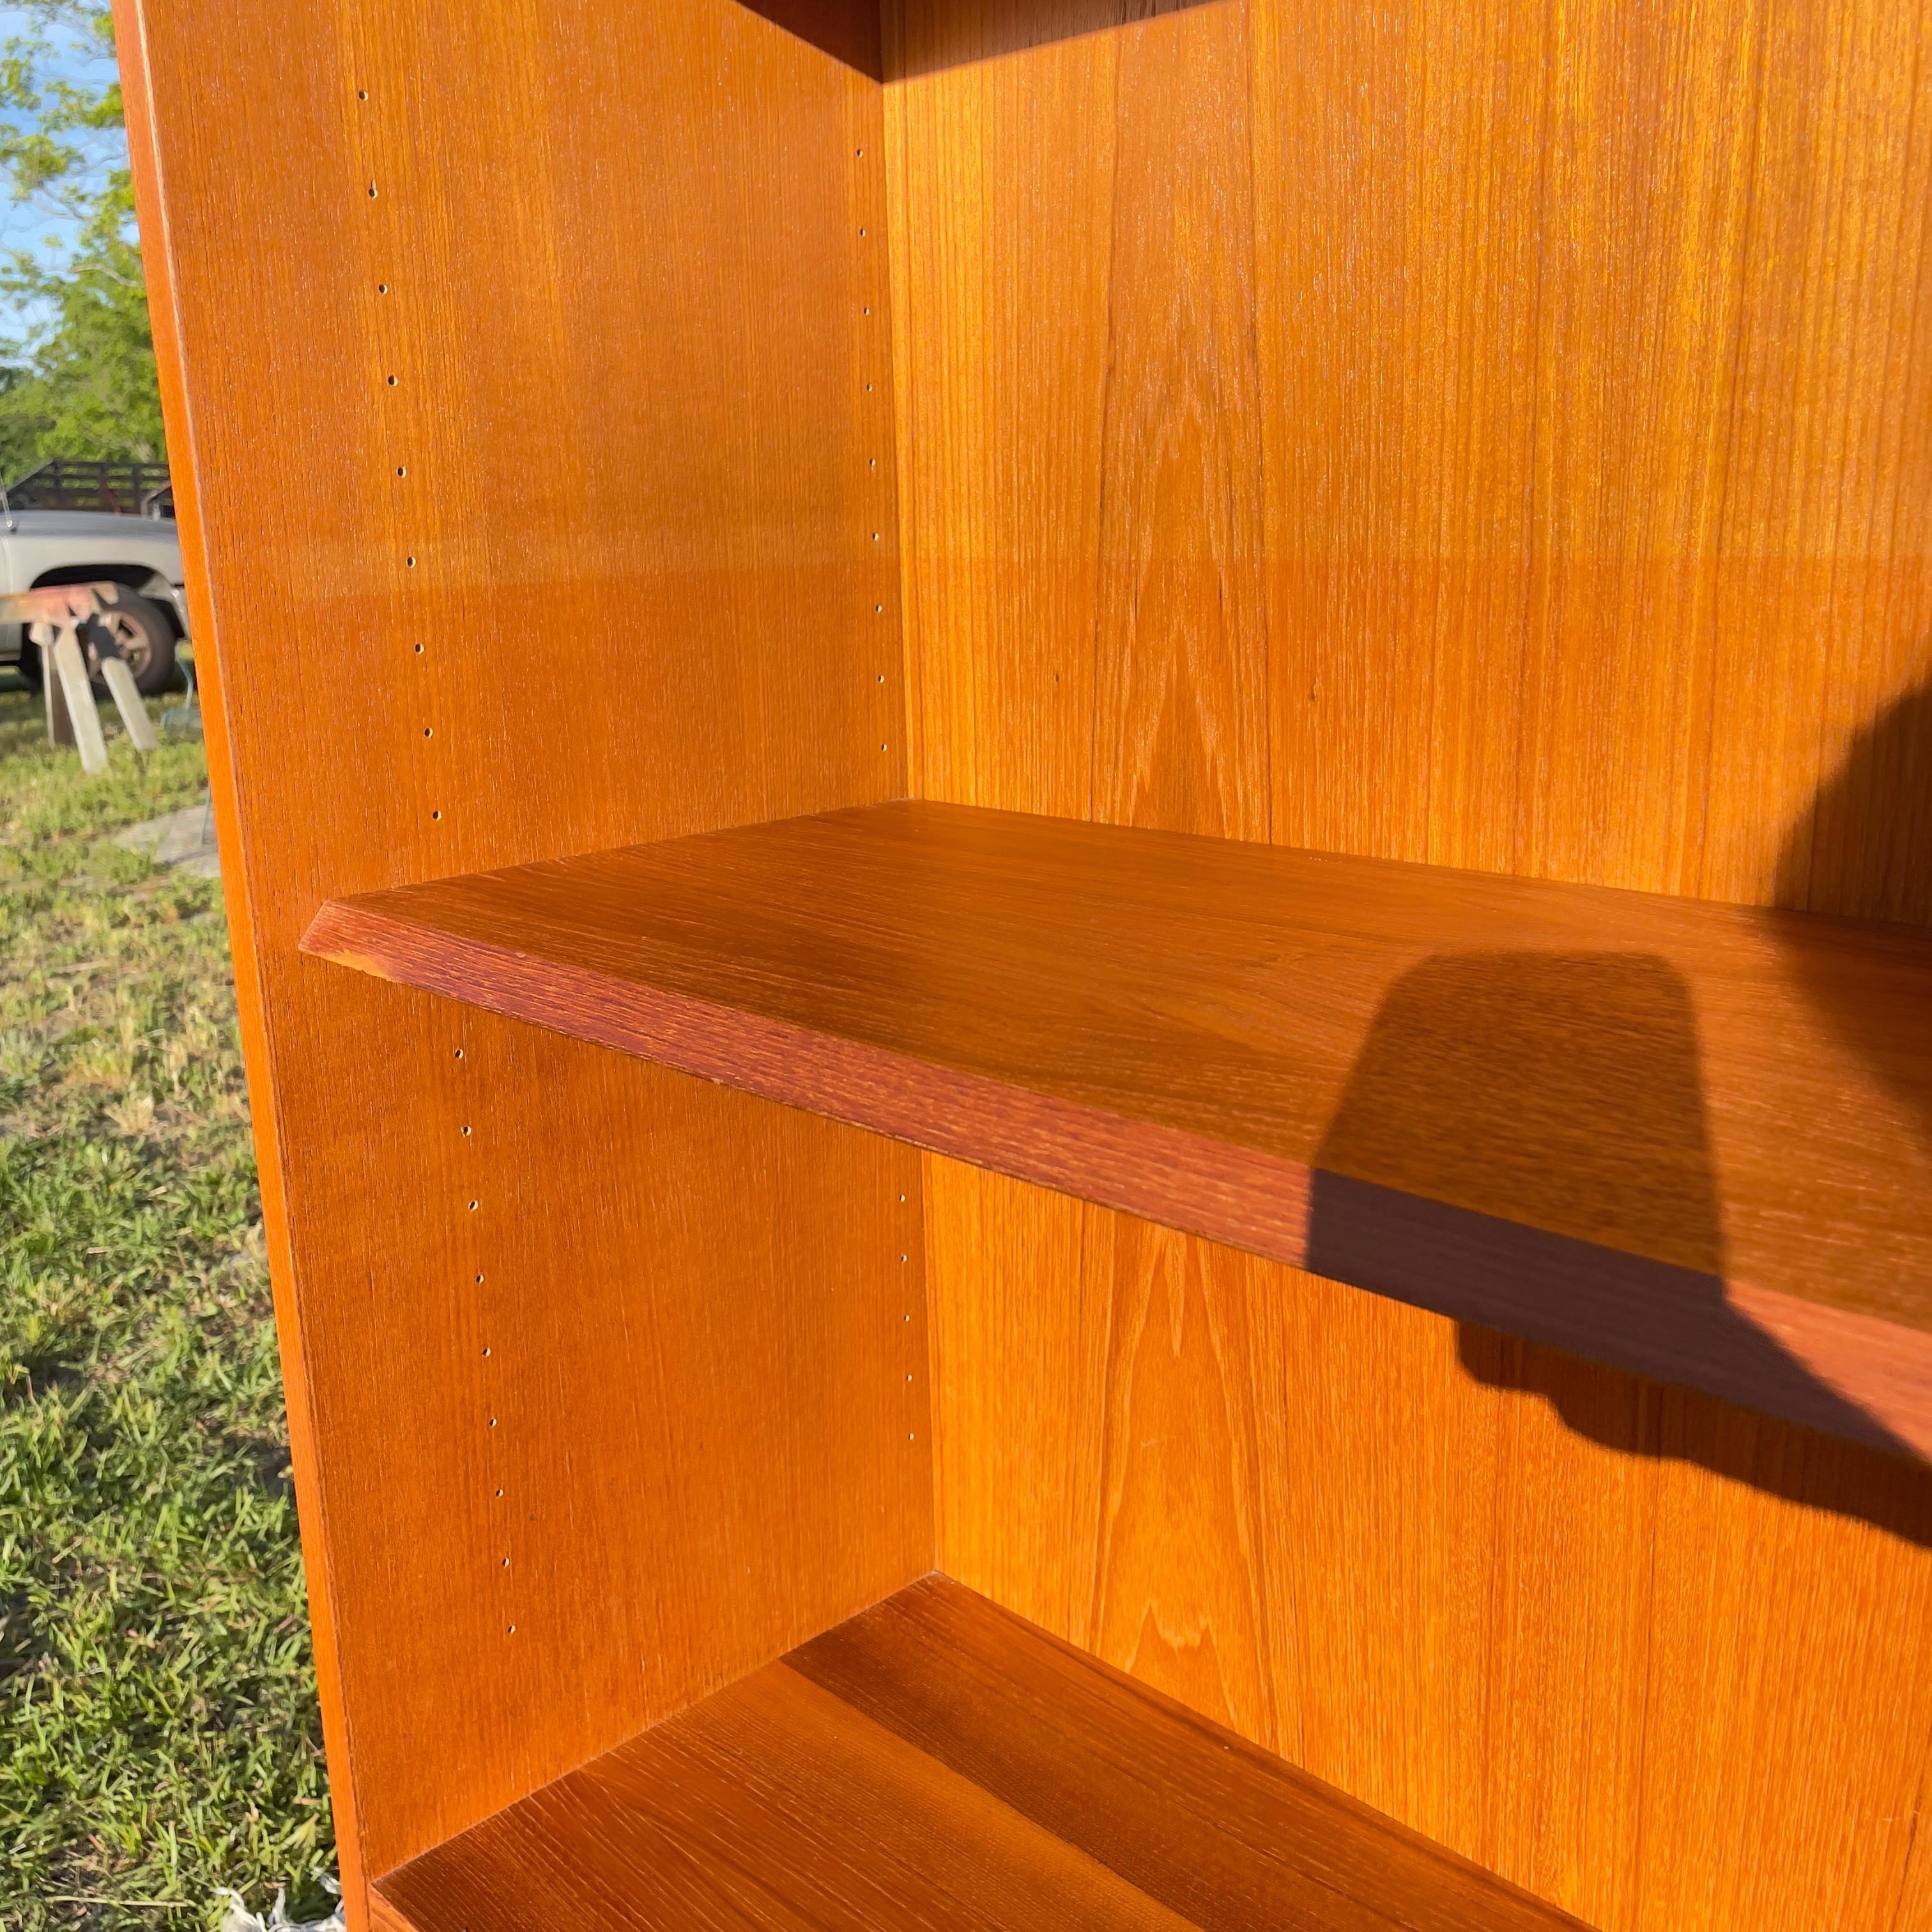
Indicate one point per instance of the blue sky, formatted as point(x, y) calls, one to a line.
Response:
point(27, 226)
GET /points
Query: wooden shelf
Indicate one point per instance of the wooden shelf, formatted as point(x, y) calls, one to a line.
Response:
point(937, 1763)
point(1688, 1140)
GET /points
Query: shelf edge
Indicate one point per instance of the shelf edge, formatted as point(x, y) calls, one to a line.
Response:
point(1855, 1376)
point(1245, 1198)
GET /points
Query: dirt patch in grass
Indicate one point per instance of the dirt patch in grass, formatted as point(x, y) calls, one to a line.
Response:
point(158, 1735)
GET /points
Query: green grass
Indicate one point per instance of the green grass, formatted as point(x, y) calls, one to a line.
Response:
point(158, 1734)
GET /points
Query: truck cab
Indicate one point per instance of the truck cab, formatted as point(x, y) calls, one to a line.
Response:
point(142, 554)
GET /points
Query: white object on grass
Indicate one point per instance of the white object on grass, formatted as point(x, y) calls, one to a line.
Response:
point(181, 838)
point(239, 1918)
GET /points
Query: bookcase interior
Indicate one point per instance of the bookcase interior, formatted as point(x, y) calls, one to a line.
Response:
point(1486, 447)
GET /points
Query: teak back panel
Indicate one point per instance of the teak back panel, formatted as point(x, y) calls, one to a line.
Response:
point(518, 357)
point(1497, 435)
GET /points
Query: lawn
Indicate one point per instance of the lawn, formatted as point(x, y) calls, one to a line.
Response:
point(158, 1734)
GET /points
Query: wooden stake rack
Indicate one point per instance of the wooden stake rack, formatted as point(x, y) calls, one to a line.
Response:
point(1081, 901)
point(54, 618)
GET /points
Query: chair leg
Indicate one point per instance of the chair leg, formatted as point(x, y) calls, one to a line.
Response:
point(120, 682)
point(72, 668)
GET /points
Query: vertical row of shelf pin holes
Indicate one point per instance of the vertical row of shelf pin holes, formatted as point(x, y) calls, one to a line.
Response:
point(905, 1320)
point(869, 279)
point(493, 1460)
point(392, 380)
point(879, 610)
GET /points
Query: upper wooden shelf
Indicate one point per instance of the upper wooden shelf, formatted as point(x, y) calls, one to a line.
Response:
point(936, 1762)
point(1688, 1140)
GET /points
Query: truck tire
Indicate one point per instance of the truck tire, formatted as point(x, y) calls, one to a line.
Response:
point(145, 636)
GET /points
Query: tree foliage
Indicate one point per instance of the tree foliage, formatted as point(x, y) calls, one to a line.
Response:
point(78, 379)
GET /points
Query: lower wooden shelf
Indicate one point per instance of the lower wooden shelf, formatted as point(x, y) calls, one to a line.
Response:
point(937, 1763)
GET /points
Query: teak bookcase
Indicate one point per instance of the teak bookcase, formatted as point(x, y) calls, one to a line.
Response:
point(1026, 812)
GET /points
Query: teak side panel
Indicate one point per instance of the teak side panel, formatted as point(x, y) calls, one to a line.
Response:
point(1554, 1617)
point(601, 1440)
point(516, 528)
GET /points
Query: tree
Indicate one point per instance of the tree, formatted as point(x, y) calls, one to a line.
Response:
point(78, 380)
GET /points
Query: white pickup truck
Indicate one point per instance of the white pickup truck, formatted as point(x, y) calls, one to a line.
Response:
point(141, 553)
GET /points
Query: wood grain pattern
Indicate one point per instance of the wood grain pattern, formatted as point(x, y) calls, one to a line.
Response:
point(1596, 458)
point(706, 1442)
point(936, 1762)
point(1179, 721)
point(1002, 531)
point(1593, 453)
point(383, 1917)
point(1550, 1109)
point(1570, 1623)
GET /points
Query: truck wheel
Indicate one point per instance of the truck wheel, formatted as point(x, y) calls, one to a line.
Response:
point(145, 639)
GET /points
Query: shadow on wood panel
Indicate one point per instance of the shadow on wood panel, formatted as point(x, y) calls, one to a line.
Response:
point(927, 36)
point(1863, 849)
point(1563, 1092)
point(848, 30)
